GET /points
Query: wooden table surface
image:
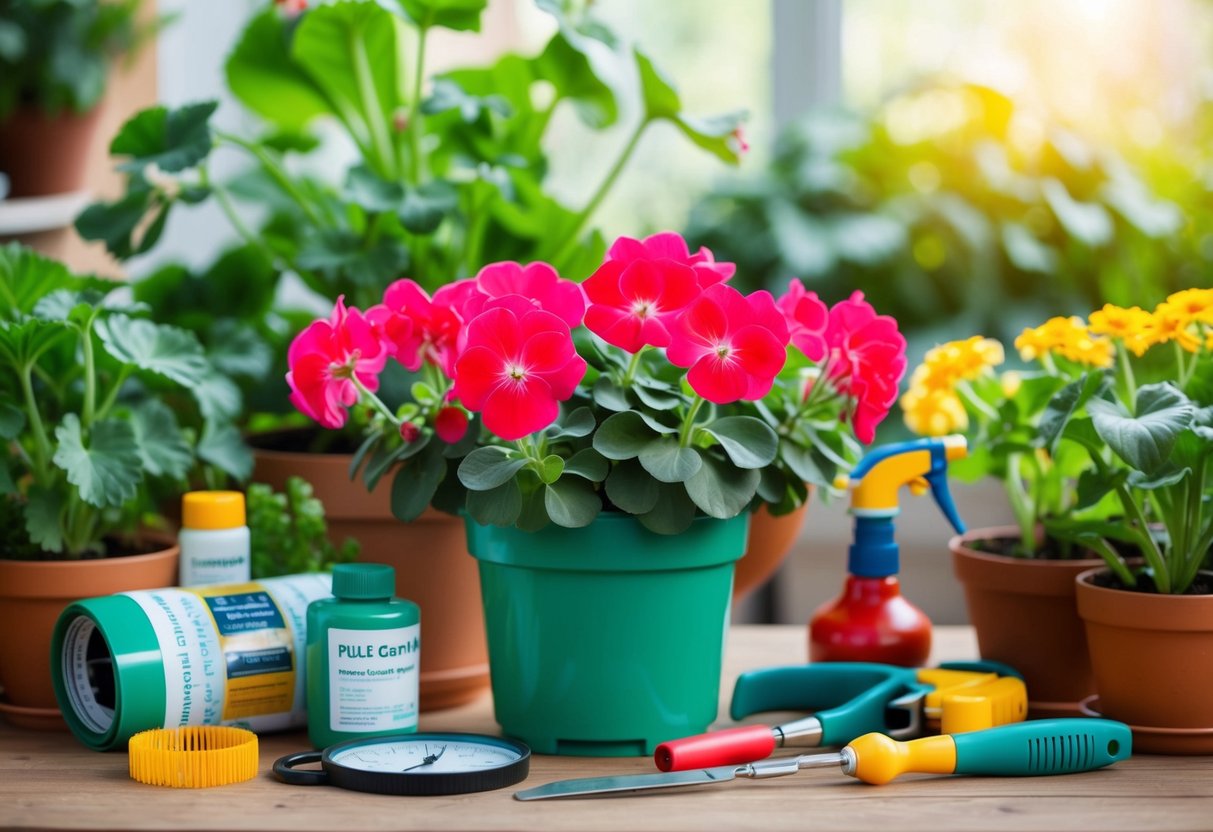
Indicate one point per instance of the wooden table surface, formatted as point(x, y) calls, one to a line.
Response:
point(49, 781)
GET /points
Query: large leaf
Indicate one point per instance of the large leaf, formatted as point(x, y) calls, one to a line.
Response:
point(26, 277)
point(121, 224)
point(569, 70)
point(623, 435)
point(1068, 401)
point(714, 134)
point(749, 442)
point(106, 468)
point(173, 140)
point(21, 343)
point(162, 448)
point(588, 464)
point(1145, 438)
point(218, 397)
point(572, 502)
point(489, 467)
point(667, 461)
point(461, 15)
point(423, 209)
point(631, 488)
point(222, 446)
point(416, 481)
point(720, 490)
point(43, 524)
point(500, 506)
point(672, 513)
point(164, 350)
point(261, 73)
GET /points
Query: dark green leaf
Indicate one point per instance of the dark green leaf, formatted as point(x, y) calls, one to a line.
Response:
point(720, 490)
point(7, 485)
point(172, 140)
point(773, 485)
point(1068, 401)
point(42, 519)
point(489, 467)
point(672, 513)
point(106, 468)
point(500, 506)
point(261, 73)
point(749, 442)
point(631, 488)
point(222, 446)
point(1144, 439)
point(622, 435)
point(1093, 486)
point(1162, 479)
point(12, 420)
point(576, 424)
point(571, 502)
point(424, 208)
point(803, 465)
point(656, 399)
point(611, 396)
point(218, 397)
point(569, 70)
point(661, 101)
point(237, 350)
point(669, 462)
point(27, 276)
point(22, 343)
point(416, 481)
point(461, 15)
point(367, 189)
point(162, 448)
point(165, 350)
point(117, 223)
point(588, 464)
point(552, 468)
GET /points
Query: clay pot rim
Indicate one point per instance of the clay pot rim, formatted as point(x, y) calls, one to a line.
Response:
point(71, 579)
point(961, 543)
point(1110, 606)
point(1011, 575)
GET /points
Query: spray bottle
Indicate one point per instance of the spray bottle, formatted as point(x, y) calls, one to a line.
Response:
point(871, 621)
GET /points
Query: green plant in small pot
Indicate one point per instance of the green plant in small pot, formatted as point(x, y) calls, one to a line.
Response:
point(606, 443)
point(104, 414)
point(1149, 613)
point(451, 170)
point(288, 533)
point(55, 58)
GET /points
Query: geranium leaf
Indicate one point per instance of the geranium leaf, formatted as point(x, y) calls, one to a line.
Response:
point(569, 70)
point(107, 469)
point(158, 436)
point(172, 140)
point(42, 519)
point(588, 464)
point(416, 482)
point(218, 397)
point(500, 506)
point(571, 502)
point(720, 490)
point(662, 102)
point(667, 461)
point(610, 395)
point(489, 467)
point(673, 512)
point(551, 468)
point(12, 420)
point(26, 277)
point(369, 190)
point(1145, 438)
point(117, 223)
point(577, 424)
point(423, 209)
point(261, 73)
point(749, 442)
point(622, 435)
point(164, 350)
point(460, 15)
point(656, 399)
point(21, 342)
point(631, 488)
point(222, 446)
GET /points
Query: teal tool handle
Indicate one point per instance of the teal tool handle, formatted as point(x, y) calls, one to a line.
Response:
point(1045, 746)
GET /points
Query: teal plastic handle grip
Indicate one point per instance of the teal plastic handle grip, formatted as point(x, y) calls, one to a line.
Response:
point(1044, 746)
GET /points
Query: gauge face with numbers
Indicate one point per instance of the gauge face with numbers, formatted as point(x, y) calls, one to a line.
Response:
point(413, 764)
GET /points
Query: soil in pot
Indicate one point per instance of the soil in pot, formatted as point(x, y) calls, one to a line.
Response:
point(1024, 614)
point(430, 556)
point(33, 593)
point(1153, 660)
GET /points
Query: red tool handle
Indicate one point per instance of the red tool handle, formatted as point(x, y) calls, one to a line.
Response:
point(719, 748)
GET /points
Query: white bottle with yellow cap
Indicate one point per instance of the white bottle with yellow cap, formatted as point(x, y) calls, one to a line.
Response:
point(214, 539)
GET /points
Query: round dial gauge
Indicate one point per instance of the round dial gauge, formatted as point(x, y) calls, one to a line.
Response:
point(414, 764)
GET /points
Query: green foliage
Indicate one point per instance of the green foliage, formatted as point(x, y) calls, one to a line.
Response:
point(55, 55)
point(961, 228)
point(103, 412)
point(288, 533)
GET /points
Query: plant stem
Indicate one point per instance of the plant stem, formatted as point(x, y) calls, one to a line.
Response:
point(603, 189)
point(688, 423)
point(629, 374)
point(112, 397)
point(416, 169)
point(1149, 546)
point(89, 410)
point(1021, 504)
point(1126, 370)
point(372, 109)
point(1111, 558)
point(374, 401)
point(967, 393)
point(42, 444)
point(274, 169)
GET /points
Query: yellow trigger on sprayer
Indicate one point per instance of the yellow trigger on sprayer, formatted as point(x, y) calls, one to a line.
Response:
point(871, 621)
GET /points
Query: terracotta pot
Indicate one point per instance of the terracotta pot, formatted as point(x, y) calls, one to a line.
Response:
point(770, 540)
point(1153, 662)
point(1024, 614)
point(44, 155)
point(433, 567)
point(32, 594)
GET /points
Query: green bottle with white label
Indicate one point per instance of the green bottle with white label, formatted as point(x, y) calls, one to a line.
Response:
point(363, 658)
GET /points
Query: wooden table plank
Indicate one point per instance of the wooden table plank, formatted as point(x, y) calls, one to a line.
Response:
point(49, 781)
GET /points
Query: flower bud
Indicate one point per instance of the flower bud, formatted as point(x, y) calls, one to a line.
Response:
point(409, 432)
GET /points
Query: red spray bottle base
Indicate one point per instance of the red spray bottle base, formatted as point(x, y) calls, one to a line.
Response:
point(870, 622)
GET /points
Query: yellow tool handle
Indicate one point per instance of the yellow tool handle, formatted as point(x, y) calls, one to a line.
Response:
point(879, 759)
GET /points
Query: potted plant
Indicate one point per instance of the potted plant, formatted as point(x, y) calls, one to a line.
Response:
point(450, 172)
point(1018, 580)
point(55, 57)
point(608, 441)
point(1149, 618)
point(93, 395)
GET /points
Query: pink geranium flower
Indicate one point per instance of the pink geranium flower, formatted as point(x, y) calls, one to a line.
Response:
point(451, 424)
point(517, 369)
point(537, 282)
point(733, 344)
point(416, 328)
point(807, 318)
point(326, 357)
point(670, 247)
point(867, 361)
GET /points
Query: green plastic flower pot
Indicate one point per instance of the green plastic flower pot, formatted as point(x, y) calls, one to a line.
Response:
point(606, 640)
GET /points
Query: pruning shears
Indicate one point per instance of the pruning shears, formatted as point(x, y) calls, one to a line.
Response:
point(850, 699)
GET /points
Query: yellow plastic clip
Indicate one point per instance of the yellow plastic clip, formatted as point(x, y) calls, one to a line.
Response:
point(193, 757)
point(965, 700)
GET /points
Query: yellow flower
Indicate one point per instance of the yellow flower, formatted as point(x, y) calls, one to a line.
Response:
point(960, 360)
point(1175, 322)
point(1133, 326)
point(1196, 305)
point(1067, 337)
point(933, 412)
